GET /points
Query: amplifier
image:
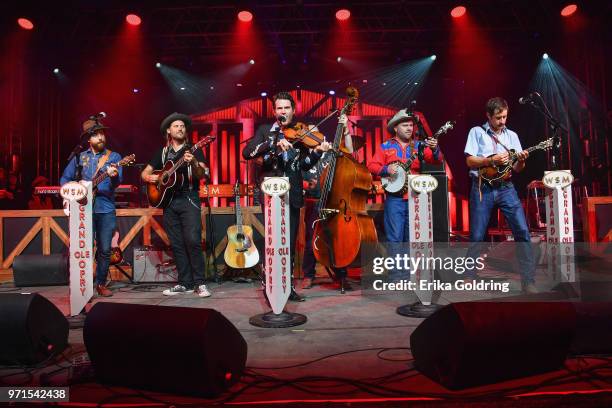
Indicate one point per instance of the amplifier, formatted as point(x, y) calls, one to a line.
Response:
point(154, 265)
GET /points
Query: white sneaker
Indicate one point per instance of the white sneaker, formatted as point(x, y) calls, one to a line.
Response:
point(176, 290)
point(203, 291)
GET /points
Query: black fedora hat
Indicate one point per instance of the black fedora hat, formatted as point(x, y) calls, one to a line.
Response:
point(173, 117)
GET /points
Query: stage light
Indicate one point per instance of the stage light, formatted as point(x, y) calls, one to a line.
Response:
point(545, 56)
point(252, 61)
point(433, 57)
point(135, 90)
point(264, 94)
point(238, 84)
point(158, 65)
point(56, 70)
point(569, 10)
point(458, 11)
point(25, 23)
point(133, 19)
point(245, 16)
point(339, 59)
point(416, 83)
point(332, 92)
point(343, 14)
point(212, 88)
point(182, 88)
point(384, 84)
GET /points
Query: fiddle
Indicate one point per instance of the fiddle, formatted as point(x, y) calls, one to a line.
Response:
point(305, 134)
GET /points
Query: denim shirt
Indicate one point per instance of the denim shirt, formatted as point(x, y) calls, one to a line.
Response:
point(480, 143)
point(104, 201)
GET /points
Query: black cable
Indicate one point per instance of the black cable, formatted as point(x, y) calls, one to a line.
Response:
point(328, 356)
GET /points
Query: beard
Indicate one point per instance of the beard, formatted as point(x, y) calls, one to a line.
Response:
point(99, 146)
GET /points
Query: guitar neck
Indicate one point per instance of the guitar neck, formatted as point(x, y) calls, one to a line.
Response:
point(238, 212)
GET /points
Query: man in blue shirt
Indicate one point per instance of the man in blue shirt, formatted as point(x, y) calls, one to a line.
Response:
point(84, 166)
point(488, 145)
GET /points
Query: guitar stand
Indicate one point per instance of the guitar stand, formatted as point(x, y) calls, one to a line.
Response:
point(124, 273)
point(209, 222)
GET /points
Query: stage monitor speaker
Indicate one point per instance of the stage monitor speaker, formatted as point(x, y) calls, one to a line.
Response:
point(40, 270)
point(476, 343)
point(32, 328)
point(183, 350)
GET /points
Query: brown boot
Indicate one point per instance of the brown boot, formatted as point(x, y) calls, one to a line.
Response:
point(307, 283)
point(103, 291)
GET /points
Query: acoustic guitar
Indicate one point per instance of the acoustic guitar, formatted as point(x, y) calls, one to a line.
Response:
point(160, 192)
point(497, 174)
point(101, 176)
point(241, 251)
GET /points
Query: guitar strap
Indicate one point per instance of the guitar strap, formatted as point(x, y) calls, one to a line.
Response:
point(102, 161)
point(496, 140)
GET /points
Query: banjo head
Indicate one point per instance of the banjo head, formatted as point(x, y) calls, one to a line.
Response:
point(398, 182)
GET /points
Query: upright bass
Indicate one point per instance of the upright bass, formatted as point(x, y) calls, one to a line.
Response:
point(343, 225)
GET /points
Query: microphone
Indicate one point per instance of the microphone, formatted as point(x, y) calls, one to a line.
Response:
point(98, 116)
point(528, 99)
point(281, 118)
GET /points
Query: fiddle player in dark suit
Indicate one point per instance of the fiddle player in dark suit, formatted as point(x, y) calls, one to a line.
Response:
point(282, 158)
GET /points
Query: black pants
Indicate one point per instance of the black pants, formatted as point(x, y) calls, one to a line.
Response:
point(183, 225)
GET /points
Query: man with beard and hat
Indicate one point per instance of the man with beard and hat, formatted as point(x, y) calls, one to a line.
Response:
point(182, 216)
point(281, 158)
point(84, 166)
point(400, 148)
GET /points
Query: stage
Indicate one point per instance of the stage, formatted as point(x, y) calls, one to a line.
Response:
point(354, 349)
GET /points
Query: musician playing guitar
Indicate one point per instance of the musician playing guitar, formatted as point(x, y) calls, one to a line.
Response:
point(490, 145)
point(86, 166)
point(401, 148)
point(182, 219)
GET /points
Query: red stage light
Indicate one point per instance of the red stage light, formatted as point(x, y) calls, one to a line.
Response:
point(569, 10)
point(133, 19)
point(245, 16)
point(25, 23)
point(343, 14)
point(458, 11)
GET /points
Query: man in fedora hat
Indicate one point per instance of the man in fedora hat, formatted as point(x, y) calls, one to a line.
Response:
point(182, 216)
point(399, 148)
point(84, 166)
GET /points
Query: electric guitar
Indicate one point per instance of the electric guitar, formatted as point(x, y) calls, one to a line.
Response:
point(496, 174)
point(160, 193)
point(241, 251)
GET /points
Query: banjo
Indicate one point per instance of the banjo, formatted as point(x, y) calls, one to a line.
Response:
point(398, 182)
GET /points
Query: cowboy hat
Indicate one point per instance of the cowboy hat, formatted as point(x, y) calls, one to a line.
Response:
point(402, 115)
point(90, 127)
point(173, 117)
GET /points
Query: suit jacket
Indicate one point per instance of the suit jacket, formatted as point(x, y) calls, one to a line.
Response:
point(277, 163)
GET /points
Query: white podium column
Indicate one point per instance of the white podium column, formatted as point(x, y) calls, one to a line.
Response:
point(277, 236)
point(81, 243)
point(421, 231)
point(559, 225)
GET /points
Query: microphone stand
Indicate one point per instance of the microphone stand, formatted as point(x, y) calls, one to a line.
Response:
point(554, 126)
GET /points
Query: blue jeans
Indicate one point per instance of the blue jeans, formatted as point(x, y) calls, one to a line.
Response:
point(507, 200)
point(104, 227)
point(183, 224)
point(397, 231)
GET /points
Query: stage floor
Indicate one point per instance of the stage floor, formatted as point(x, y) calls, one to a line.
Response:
point(354, 349)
